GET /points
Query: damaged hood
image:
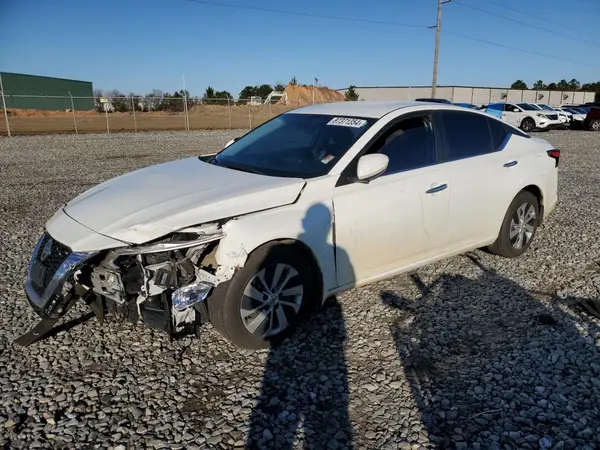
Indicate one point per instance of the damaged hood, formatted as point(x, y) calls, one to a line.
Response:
point(149, 203)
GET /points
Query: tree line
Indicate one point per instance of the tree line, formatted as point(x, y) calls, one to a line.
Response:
point(562, 85)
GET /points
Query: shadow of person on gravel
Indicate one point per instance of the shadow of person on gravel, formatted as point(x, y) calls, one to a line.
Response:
point(304, 391)
point(489, 366)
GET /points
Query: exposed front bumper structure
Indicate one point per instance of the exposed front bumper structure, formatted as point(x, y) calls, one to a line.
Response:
point(163, 284)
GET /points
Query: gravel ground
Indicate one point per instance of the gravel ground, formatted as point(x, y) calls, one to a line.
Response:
point(474, 352)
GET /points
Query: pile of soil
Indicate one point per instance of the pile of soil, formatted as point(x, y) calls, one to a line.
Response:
point(303, 95)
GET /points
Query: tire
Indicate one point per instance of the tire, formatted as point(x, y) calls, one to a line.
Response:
point(229, 300)
point(528, 124)
point(594, 125)
point(519, 209)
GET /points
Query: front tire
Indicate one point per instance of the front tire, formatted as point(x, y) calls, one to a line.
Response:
point(528, 125)
point(594, 125)
point(267, 298)
point(518, 227)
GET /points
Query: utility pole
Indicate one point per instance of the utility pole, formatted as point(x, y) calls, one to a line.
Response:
point(438, 30)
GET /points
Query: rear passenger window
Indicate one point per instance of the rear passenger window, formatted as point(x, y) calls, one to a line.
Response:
point(499, 132)
point(408, 144)
point(467, 134)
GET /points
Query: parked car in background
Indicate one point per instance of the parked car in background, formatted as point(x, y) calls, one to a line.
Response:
point(576, 115)
point(467, 105)
point(434, 100)
point(592, 120)
point(313, 202)
point(563, 117)
point(524, 116)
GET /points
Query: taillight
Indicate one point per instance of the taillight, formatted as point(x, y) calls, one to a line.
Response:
point(555, 154)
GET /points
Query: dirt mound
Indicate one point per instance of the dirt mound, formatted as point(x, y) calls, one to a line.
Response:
point(303, 95)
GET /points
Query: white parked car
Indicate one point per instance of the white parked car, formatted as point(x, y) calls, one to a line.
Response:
point(564, 117)
point(577, 115)
point(525, 116)
point(311, 203)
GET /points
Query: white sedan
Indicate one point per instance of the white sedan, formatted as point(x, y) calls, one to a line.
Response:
point(311, 203)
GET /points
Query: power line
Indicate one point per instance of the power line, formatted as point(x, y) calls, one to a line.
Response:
point(522, 50)
point(535, 27)
point(380, 22)
point(305, 14)
point(510, 8)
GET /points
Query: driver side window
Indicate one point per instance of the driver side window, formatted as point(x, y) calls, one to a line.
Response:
point(409, 144)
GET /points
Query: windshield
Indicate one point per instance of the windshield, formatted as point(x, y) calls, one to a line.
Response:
point(546, 107)
point(294, 145)
point(575, 110)
point(528, 107)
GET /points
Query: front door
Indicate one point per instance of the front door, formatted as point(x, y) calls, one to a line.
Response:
point(512, 114)
point(398, 218)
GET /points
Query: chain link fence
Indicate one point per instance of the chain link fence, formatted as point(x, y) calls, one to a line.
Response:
point(134, 114)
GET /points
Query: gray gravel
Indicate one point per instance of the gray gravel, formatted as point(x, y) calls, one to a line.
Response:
point(475, 352)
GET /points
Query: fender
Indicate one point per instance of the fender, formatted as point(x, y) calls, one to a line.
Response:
point(309, 220)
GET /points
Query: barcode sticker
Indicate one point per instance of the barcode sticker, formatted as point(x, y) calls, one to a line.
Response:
point(347, 122)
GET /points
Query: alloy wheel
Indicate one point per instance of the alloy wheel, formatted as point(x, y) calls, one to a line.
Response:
point(271, 300)
point(522, 226)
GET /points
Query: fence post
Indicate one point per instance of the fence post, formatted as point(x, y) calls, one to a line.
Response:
point(472, 94)
point(4, 107)
point(134, 118)
point(185, 110)
point(229, 112)
point(250, 112)
point(106, 115)
point(269, 108)
point(73, 111)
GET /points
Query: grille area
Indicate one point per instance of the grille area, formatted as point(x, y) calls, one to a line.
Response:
point(553, 116)
point(46, 262)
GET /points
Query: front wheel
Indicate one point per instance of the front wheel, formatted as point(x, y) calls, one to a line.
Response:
point(519, 226)
point(265, 299)
point(528, 125)
point(595, 125)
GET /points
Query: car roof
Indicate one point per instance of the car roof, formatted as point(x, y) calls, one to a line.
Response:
point(369, 109)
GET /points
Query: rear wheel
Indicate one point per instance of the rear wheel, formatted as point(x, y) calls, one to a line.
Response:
point(595, 125)
point(528, 125)
point(265, 299)
point(519, 226)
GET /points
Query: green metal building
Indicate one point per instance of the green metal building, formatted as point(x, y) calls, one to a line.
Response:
point(33, 92)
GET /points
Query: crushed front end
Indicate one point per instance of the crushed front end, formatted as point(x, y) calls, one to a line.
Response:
point(163, 284)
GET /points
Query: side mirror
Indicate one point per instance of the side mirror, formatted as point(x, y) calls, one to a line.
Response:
point(515, 110)
point(371, 166)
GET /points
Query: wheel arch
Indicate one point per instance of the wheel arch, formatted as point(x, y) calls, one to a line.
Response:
point(537, 192)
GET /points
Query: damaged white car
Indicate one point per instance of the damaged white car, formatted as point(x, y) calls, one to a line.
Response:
point(313, 202)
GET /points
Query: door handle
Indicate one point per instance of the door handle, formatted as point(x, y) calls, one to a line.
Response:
point(511, 163)
point(438, 188)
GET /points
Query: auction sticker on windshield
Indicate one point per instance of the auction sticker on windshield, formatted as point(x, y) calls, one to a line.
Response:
point(347, 122)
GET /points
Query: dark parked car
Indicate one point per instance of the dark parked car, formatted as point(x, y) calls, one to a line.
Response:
point(592, 120)
point(467, 105)
point(434, 100)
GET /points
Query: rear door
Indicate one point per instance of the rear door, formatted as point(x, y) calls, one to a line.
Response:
point(484, 173)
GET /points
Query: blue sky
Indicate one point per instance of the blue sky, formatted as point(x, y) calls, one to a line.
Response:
point(138, 45)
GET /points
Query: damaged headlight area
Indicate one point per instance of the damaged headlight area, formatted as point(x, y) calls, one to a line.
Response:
point(163, 284)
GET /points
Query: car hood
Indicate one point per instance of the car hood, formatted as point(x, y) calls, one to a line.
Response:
point(149, 203)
